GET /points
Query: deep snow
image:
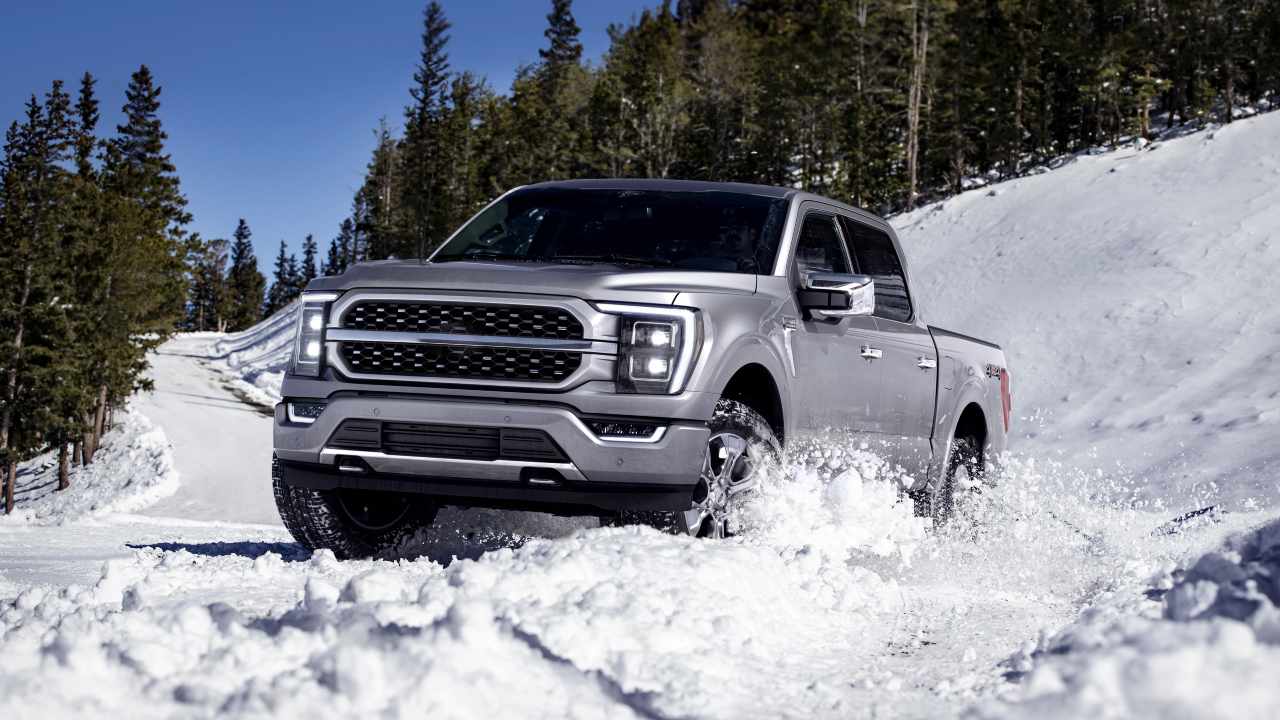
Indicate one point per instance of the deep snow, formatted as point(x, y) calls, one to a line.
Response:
point(1061, 590)
point(1135, 295)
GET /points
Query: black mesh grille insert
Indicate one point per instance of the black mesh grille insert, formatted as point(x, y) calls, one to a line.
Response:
point(459, 361)
point(446, 441)
point(463, 319)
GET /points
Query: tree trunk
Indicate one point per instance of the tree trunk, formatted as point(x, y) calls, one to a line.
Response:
point(1230, 91)
point(99, 419)
point(1015, 148)
point(11, 381)
point(915, 94)
point(76, 450)
point(64, 481)
point(8, 487)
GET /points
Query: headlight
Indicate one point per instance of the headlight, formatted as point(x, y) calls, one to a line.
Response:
point(656, 347)
point(308, 341)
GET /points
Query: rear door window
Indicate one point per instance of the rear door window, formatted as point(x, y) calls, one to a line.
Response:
point(875, 256)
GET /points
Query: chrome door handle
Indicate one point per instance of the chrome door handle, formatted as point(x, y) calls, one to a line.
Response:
point(871, 353)
point(926, 363)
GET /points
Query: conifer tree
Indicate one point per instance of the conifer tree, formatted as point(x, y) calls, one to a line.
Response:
point(281, 284)
point(33, 326)
point(209, 285)
point(342, 249)
point(423, 146)
point(308, 269)
point(245, 283)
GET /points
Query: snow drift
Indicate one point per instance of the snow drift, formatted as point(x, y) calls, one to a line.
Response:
point(132, 470)
point(1209, 647)
point(1134, 294)
point(256, 359)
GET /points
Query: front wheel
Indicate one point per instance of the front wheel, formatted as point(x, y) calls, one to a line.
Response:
point(351, 523)
point(740, 446)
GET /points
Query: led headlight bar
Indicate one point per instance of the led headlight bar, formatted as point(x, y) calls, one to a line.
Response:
point(308, 341)
point(656, 347)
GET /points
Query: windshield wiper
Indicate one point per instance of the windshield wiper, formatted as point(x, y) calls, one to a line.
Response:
point(614, 258)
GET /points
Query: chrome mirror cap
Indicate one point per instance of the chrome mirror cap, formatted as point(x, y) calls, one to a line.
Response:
point(845, 295)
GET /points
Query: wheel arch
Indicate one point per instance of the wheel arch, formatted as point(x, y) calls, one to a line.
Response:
point(972, 424)
point(754, 385)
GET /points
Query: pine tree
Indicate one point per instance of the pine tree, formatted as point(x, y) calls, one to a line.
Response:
point(209, 285)
point(423, 146)
point(34, 335)
point(564, 92)
point(308, 269)
point(142, 292)
point(341, 249)
point(281, 284)
point(245, 283)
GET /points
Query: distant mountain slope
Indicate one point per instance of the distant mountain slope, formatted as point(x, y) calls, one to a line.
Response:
point(1137, 294)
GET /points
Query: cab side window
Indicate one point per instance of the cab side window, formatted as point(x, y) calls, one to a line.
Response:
point(874, 255)
point(819, 248)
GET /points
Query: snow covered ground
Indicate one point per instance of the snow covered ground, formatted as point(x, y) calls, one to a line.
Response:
point(1140, 344)
point(1135, 294)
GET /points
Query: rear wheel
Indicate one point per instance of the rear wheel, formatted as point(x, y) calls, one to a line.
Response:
point(351, 523)
point(962, 476)
point(740, 445)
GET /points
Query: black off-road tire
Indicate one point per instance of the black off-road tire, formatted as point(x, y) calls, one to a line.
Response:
point(939, 503)
point(730, 416)
point(318, 519)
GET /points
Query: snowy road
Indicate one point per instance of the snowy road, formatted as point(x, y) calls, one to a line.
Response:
point(222, 445)
point(222, 454)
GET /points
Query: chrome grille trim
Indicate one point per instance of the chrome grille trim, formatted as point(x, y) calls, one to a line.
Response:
point(464, 318)
point(596, 325)
point(478, 363)
point(502, 341)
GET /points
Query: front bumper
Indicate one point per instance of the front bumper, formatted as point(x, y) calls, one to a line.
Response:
point(605, 474)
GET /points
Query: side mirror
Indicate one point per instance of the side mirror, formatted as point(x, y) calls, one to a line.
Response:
point(836, 295)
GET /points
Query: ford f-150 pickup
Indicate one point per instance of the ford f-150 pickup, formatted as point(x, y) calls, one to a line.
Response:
point(638, 350)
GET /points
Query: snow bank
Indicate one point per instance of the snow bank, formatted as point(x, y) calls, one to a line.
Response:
point(256, 359)
point(1209, 647)
point(1134, 293)
point(132, 469)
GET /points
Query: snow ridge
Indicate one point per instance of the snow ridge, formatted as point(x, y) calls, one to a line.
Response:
point(132, 470)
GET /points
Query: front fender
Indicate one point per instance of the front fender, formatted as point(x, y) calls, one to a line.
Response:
point(739, 331)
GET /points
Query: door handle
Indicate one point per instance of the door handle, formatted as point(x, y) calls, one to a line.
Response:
point(871, 353)
point(926, 363)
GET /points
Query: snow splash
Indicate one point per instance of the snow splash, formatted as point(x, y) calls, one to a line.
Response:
point(833, 601)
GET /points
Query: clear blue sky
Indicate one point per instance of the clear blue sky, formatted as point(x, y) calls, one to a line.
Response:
point(270, 106)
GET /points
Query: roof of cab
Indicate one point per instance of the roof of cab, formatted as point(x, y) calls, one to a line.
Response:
point(661, 185)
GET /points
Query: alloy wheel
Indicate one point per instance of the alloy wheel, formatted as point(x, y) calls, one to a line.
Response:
point(729, 468)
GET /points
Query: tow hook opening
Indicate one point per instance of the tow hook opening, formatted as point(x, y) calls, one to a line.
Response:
point(353, 465)
point(545, 477)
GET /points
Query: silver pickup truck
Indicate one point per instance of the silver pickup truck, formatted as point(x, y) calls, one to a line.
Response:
point(638, 350)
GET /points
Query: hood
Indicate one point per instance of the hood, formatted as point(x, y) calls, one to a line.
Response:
point(601, 282)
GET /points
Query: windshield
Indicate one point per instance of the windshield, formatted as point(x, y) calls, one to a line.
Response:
point(705, 230)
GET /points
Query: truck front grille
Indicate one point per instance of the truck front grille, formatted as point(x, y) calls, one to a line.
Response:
point(459, 361)
point(446, 441)
point(527, 321)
